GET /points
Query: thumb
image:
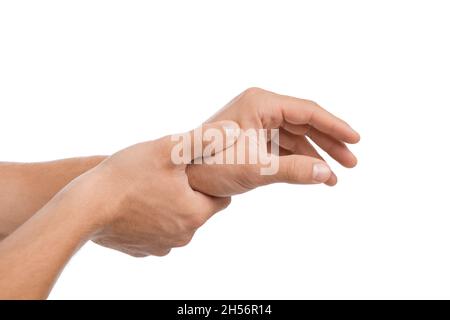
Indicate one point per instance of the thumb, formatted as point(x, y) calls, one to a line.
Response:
point(204, 141)
point(300, 170)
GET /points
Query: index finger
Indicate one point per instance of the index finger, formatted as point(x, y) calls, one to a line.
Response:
point(300, 111)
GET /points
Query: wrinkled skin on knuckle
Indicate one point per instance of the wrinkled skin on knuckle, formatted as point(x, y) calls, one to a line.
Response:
point(246, 178)
point(271, 117)
point(294, 172)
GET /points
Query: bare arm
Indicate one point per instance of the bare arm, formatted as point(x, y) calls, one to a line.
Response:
point(33, 256)
point(120, 204)
point(27, 187)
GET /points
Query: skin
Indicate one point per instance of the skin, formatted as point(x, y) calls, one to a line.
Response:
point(299, 121)
point(136, 201)
point(120, 203)
point(23, 193)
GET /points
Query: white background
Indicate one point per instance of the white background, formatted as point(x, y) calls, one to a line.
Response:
point(90, 77)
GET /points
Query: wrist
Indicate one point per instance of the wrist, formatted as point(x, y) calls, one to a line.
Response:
point(92, 196)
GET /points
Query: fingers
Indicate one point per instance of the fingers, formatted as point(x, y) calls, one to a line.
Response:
point(300, 170)
point(298, 129)
point(299, 111)
point(283, 152)
point(204, 141)
point(334, 148)
point(300, 145)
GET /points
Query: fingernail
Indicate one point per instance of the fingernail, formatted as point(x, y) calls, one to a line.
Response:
point(321, 172)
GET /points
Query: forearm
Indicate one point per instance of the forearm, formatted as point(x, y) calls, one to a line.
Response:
point(33, 256)
point(27, 187)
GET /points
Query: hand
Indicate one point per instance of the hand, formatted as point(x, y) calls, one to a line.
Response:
point(137, 201)
point(149, 206)
point(299, 162)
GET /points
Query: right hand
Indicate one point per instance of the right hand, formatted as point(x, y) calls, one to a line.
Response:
point(145, 203)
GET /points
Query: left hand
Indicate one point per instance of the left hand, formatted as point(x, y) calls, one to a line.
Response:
point(298, 121)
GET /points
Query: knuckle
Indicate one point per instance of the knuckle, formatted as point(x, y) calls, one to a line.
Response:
point(161, 253)
point(252, 92)
point(137, 254)
point(312, 103)
point(293, 172)
point(193, 221)
point(271, 119)
point(250, 177)
point(184, 241)
point(164, 146)
point(221, 204)
point(226, 202)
